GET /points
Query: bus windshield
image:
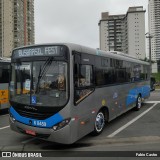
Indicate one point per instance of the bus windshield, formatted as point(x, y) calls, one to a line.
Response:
point(40, 83)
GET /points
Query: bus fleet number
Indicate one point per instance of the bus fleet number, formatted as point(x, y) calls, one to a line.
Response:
point(40, 123)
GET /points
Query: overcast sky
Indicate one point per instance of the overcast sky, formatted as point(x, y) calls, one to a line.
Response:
point(76, 21)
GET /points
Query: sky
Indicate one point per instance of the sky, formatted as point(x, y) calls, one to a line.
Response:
point(76, 21)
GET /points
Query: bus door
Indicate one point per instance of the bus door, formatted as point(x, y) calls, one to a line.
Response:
point(83, 89)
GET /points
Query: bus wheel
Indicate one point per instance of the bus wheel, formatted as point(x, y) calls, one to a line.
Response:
point(99, 123)
point(138, 103)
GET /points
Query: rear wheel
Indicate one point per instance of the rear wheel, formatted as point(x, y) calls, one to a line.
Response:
point(138, 103)
point(99, 123)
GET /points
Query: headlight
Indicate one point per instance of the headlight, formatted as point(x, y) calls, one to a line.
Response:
point(12, 118)
point(61, 124)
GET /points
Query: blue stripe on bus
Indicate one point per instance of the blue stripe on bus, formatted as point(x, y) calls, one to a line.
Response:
point(133, 93)
point(47, 123)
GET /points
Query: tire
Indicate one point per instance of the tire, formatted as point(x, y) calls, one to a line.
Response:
point(99, 124)
point(138, 103)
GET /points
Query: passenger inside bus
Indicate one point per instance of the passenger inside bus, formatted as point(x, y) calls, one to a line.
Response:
point(58, 83)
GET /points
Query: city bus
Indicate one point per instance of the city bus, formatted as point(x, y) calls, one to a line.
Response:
point(4, 81)
point(61, 92)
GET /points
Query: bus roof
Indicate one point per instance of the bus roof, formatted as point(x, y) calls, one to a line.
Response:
point(88, 50)
point(109, 54)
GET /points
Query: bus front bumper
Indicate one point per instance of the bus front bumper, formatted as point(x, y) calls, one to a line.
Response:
point(60, 136)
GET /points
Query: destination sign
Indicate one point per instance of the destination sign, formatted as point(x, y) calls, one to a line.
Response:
point(38, 51)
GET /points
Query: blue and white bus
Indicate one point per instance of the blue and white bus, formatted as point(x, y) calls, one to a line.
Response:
point(61, 92)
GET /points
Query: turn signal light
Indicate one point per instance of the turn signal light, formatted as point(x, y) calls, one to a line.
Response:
point(61, 124)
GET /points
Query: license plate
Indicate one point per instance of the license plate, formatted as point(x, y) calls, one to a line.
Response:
point(33, 133)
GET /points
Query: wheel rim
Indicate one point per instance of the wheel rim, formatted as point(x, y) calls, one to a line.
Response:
point(99, 123)
point(139, 102)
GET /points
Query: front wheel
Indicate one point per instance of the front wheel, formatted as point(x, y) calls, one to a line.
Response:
point(138, 103)
point(99, 123)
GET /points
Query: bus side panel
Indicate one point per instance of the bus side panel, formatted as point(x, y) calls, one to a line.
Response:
point(118, 99)
point(143, 89)
point(84, 118)
point(88, 108)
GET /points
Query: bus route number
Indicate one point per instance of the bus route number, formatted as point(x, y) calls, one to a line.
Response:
point(40, 123)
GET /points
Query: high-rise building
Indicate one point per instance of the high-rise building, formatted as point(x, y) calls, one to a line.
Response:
point(124, 33)
point(16, 25)
point(154, 31)
point(111, 32)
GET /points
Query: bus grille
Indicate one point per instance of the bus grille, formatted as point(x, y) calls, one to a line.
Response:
point(33, 115)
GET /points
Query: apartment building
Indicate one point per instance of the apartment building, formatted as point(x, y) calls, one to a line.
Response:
point(111, 32)
point(154, 31)
point(124, 33)
point(16, 25)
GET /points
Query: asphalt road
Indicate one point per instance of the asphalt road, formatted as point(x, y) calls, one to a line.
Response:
point(133, 131)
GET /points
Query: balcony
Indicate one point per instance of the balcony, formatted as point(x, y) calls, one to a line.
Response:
point(16, 40)
point(111, 38)
point(111, 35)
point(111, 24)
point(118, 31)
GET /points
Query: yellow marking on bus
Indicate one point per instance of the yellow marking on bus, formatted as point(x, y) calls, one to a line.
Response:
point(3, 96)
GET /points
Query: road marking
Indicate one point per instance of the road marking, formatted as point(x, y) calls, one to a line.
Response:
point(152, 102)
point(130, 122)
point(4, 127)
point(28, 140)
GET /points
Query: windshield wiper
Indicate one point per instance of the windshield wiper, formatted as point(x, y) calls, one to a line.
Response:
point(43, 71)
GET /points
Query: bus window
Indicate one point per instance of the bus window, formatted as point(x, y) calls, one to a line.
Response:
point(139, 72)
point(46, 80)
point(83, 80)
point(4, 73)
point(86, 76)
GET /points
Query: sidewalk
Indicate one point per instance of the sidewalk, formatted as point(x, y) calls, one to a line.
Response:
point(155, 95)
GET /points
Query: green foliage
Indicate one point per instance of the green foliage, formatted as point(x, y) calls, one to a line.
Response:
point(157, 76)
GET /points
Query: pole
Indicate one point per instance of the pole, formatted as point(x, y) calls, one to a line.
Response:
point(150, 58)
point(150, 61)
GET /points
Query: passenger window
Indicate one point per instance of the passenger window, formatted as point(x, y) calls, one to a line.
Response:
point(85, 76)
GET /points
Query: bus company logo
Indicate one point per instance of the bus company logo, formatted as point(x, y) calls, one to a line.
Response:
point(115, 95)
point(30, 108)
